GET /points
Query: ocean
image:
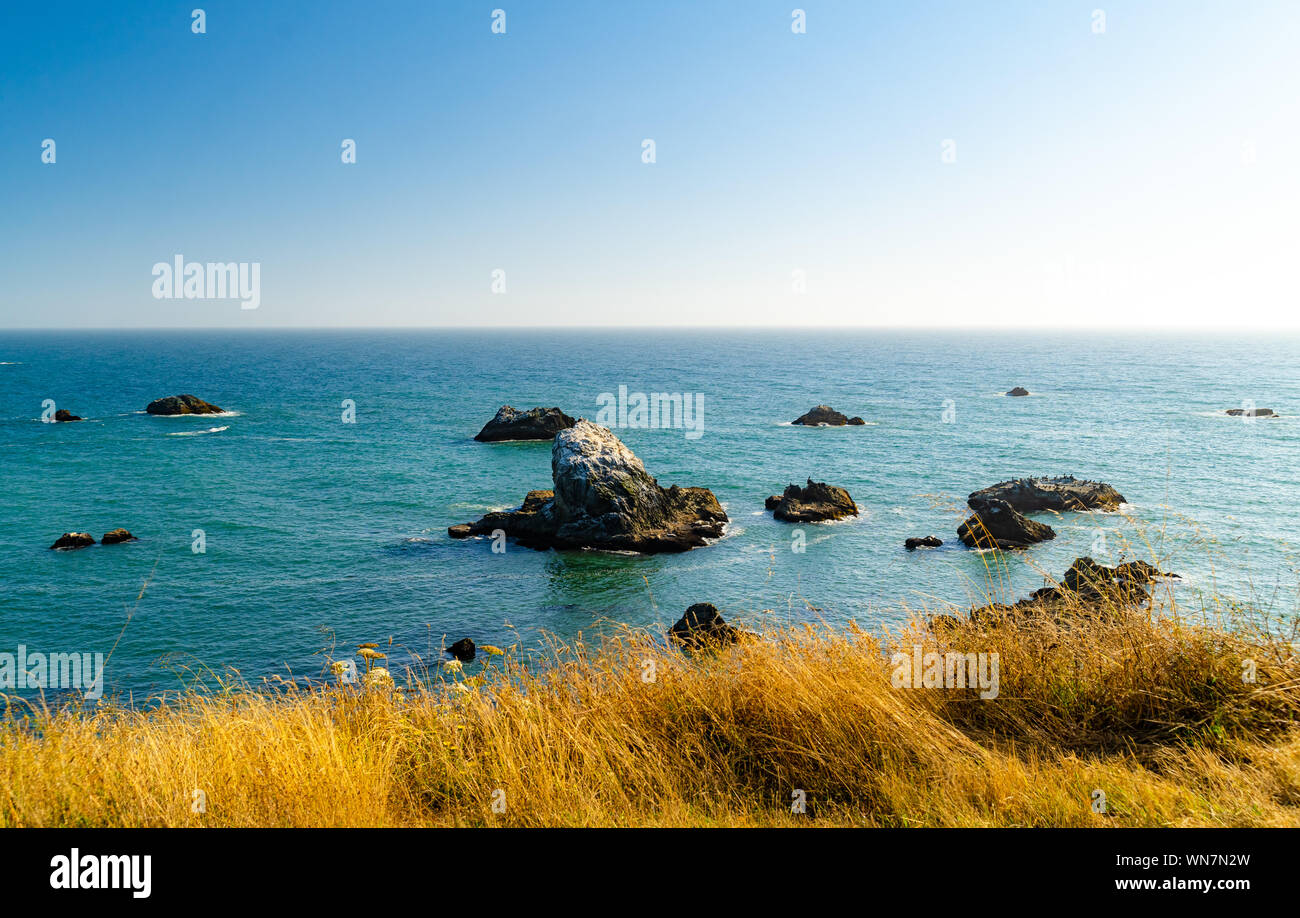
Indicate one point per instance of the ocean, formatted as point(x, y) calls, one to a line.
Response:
point(318, 532)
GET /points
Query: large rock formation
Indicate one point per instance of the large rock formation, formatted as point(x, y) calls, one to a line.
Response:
point(604, 498)
point(71, 540)
point(811, 504)
point(702, 626)
point(1031, 495)
point(826, 416)
point(64, 415)
point(533, 424)
point(996, 525)
point(182, 404)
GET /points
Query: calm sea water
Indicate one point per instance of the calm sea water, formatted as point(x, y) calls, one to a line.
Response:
point(320, 531)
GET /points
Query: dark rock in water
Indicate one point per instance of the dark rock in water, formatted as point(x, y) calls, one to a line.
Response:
point(824, 415)
point(703, 625)
point(533, 424)
point(605, 499)
point(813, 503)
point(1087, 586)
point(1257, 413)
point(117, 536)
point(463, 650)
point(996, 525)
point(182, 404)
point(64, 415)
point(1018, 391)
point(1030, 495)
point(914, 543)
point(73, 540)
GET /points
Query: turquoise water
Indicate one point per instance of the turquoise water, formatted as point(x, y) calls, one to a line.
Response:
point(320, 531)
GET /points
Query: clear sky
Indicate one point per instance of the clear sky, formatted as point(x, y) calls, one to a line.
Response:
point(1148, 174)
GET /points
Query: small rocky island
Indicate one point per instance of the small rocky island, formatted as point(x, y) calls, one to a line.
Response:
point(71, 540)
point(1031, 495)
point(814, 503)
point(63, 415)
point(996, 525)
point(182, 404)
point(826, 416)
point(1018, 392)
point(603, 498)
point(533, 424)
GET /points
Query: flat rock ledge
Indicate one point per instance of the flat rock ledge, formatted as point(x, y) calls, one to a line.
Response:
point(813, 503)
point(182, 404)
point(533, 424)
point(826, 416)
point(1255, 413)
point(996, 525)
point(1032, 495)
point(603, 498)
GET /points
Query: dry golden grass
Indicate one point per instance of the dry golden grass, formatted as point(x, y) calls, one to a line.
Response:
point(1148, 709)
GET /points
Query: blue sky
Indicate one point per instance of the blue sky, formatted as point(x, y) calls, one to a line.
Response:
point(1148, 175)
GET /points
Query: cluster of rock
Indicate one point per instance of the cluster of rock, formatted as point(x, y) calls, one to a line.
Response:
point(603, 498)
point(1087, 585)
point(999, 521)
point(826, 416)
point(815, 502)
point(533, 424)
point(182, 404)
point(71, 540)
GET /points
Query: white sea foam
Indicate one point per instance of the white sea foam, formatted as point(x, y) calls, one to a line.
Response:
point(197, 433)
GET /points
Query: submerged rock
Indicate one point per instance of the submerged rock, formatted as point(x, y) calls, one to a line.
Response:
point(1030, 495)
point(813, 503)
point(463, 650)
point(182, 404)
point(64, 415)
point(117, 536)
point(605, 499)
point(996, 525)
point(1256, 413)
point(824, 415)
point(1018, 391)
point(915, 542)
point(71, 540)
point(702, 625)
point(533, 424)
